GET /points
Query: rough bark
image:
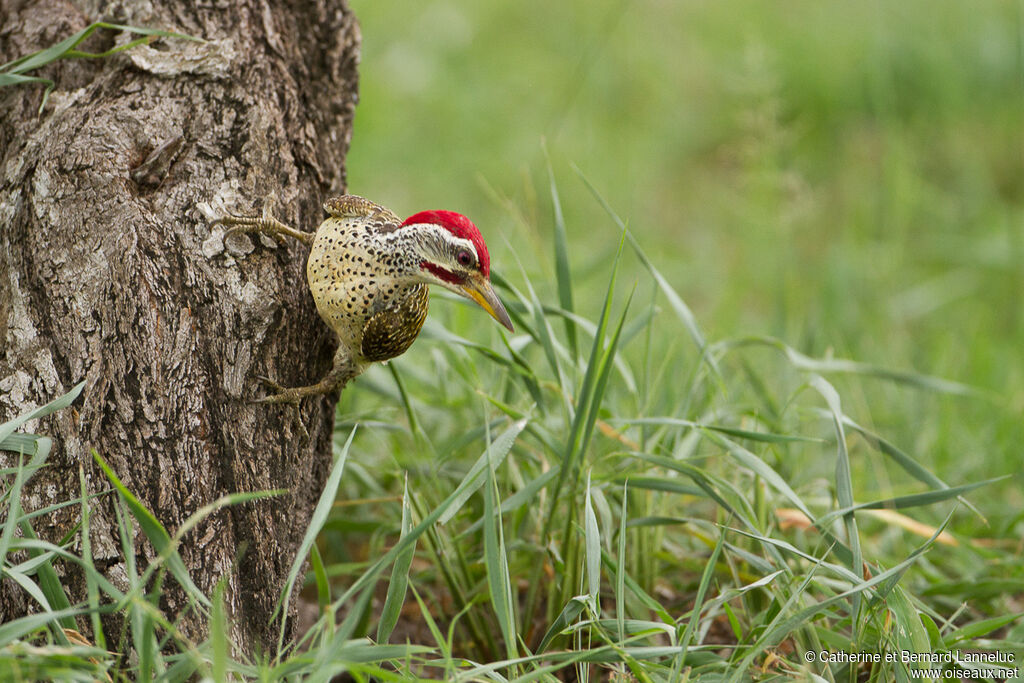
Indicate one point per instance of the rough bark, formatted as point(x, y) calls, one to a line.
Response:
point(111, 272)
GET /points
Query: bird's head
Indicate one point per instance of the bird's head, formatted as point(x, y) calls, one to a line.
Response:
point(453, 255)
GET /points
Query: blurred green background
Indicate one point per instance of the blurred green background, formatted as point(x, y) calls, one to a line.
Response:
point(847, 177)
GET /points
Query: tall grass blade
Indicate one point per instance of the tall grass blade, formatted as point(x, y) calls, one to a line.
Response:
point(636, 589)
point(154, 531)
point(759, 467)
point(980, 628)
point(592, 545)
point(14, 574)
point(323, 585)
point(620, 575)
point(563, 276)
point(901, 458)
point(20, 627)
point(683, 311)
point(410, 413)
point(698, 603)
point(547, 342)
point(496, 562)
point(7, 428)
point(781, 626)
point(596, 397)
point(13, 510)
point(909, 501)
point(91, 588)
point(765, 437)
point(844, 482)
point(219, 631)
point(316, 522)
point(803, 362)
point(910, 633)
point(399, 575)
point(474, 479)
point(139, 624)
point(447, 507)
point(520, 498)
point(49, 582)
point(586, 392)
point(27, 444)
point(569, 613)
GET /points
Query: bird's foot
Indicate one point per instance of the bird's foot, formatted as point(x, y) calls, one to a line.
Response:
point(294, 395)
point(285, 396)
point(265, 224)
point(280, 393)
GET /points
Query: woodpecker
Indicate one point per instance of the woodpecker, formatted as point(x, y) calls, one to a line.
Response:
point(369, 271)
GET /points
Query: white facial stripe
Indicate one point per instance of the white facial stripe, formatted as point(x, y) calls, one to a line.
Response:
point(443, 237)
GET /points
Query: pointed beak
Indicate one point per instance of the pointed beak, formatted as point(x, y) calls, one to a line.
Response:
point(479, 289)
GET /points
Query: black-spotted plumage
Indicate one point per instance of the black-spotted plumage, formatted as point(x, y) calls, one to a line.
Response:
point(362, 281)
point(369, 271)
point(392, 331)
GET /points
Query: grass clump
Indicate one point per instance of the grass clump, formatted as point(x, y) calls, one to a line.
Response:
point(649, 503)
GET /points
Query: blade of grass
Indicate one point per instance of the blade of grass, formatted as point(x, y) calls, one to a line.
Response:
point(563, 276)
point(636, 589)
point(496, 563)
point(702, 591)
point(410, 414)
point(399, 575)
point(474, 479)
point(980, 628)
point(138, 621)
point(765, 437)
point(910, 501)
point(154, 531)
point(49, 582)
point(519, 498)
point(759, 467)
point(583, 397)
point(841, 366)
point(22, 443)
point(620, 576)
point(592, 545)
point(844, 481)
point(7, 428)
point(782, 626)
point(29, 587)
point(219, 630)
point(445, 508)
point(901, 458)
point(316, 522)
point(18, 628)
point(569, 613)
point(323, 585)
point(65, 49)
point(683, 311)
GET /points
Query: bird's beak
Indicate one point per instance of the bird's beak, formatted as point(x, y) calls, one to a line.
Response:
point(479, 289)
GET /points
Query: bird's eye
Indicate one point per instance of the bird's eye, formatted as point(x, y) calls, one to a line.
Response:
point(464, 258)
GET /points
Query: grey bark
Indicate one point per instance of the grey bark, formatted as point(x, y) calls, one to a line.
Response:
point(110, 272)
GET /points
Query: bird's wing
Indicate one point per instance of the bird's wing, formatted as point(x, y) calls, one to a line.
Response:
point(350, 205)
point(392, 331)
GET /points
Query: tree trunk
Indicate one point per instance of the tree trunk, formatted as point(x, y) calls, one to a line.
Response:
point(111, 272)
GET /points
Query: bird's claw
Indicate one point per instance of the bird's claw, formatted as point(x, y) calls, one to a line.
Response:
point(244, 225)
point(272, 384)
point(284, 396)
point(281, 394)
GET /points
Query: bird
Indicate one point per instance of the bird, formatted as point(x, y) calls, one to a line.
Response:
point(369, 273)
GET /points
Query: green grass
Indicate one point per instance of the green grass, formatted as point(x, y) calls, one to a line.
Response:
point(764, 265)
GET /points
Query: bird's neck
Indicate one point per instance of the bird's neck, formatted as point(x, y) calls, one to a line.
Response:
point(412, 247)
